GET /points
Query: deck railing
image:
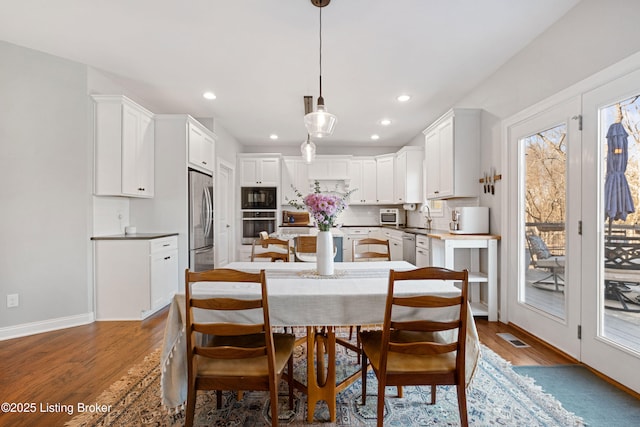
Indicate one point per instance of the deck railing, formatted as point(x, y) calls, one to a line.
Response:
point(553, 233)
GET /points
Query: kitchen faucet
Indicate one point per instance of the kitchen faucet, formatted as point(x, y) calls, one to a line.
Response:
point(428, 216)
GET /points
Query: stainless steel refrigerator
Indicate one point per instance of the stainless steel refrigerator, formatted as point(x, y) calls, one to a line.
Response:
point(201, 242)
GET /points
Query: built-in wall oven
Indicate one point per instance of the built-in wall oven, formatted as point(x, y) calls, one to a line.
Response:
point(253, 222)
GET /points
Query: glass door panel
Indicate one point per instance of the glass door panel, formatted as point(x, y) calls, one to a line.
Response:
point(611, 232)
point(544, 209)
point(619, 139)
point(544, 152)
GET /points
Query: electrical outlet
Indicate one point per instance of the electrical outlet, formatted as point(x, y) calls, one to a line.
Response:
point(13, 300)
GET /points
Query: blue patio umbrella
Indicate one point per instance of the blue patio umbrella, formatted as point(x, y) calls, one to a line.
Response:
point(618, 202)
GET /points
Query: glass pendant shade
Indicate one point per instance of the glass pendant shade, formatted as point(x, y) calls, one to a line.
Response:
point(308, 150)
point(320, 123)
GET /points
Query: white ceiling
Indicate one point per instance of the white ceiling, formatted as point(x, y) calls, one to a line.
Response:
point(261, 57)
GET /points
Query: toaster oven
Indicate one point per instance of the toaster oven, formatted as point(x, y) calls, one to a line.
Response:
point(390, 217)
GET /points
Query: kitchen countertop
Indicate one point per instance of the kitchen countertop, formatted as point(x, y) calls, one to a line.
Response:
point(443, 234)
point(446, 235)
point(434, 233)
point(137, 236)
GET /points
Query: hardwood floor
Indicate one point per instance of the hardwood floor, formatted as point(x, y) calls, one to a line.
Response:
point(75, 365)
point(71, 366)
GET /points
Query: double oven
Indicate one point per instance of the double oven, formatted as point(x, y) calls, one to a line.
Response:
point(259, 212)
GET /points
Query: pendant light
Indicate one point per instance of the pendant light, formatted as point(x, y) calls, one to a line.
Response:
point(320, 123)
point(308, 150)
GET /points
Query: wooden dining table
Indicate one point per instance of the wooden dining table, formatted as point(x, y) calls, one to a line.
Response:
point(298, 296)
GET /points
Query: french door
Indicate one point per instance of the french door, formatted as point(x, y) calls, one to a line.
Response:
point(611, 280)
point(544, 152)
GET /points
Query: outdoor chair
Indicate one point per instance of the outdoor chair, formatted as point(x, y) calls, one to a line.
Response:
point(237, 354)
point(541, 258)
point(622, 272)
point(428, 348)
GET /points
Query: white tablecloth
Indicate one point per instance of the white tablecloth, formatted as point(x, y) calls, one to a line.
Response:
point(355, 295)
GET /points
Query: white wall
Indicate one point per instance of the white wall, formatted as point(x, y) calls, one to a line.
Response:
point(45, 220)
point(47, 211)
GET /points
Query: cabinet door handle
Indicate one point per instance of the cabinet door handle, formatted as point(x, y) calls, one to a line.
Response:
point(204, 163)
point(167, 244)
point(167, 257)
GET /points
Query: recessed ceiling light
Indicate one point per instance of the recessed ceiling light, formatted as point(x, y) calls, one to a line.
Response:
point(403, 98)
point(209, 95)
point(273, 136)
point(375, 137)
point(385, 122)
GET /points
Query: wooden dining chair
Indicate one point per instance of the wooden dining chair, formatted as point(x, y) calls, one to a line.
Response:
point(423, 350)
point(373, 249)
point(238, 354)
point(270, 248)
point(305, 248)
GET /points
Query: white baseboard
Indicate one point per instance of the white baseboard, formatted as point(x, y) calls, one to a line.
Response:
point(33, 328)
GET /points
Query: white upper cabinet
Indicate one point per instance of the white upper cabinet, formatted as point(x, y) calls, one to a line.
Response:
point(259, 171)
point(452, 155)
point(363, 181)
point(201, 147)
point(408, 175)
point(385, 179)
point(124, 147)
point(294, 173)
point(329, 168)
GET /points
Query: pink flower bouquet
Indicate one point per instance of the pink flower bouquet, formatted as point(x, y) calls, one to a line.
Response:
point(324, 207)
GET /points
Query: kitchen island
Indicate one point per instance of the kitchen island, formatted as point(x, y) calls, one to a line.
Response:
point(443, 251)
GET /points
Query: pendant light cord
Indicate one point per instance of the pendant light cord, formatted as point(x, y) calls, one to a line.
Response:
point(320, 52)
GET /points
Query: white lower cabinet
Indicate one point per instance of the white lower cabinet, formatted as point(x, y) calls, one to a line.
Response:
point(395, 243)
point(134, 278)
point(351, 234)
point(423, 252)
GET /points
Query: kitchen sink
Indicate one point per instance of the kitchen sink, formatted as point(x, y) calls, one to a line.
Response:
point(415, 230)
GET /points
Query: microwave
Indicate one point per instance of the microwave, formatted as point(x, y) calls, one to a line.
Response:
point(390, 217)
point(258, 198)
point(469, 220)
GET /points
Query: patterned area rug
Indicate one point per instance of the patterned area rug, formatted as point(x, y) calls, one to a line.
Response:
point(497, 396)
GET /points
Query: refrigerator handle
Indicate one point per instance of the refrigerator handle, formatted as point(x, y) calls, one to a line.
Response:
point(204, 213)
point(208, 212)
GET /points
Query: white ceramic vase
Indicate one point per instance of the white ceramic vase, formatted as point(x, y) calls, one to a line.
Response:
point(324, 253)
